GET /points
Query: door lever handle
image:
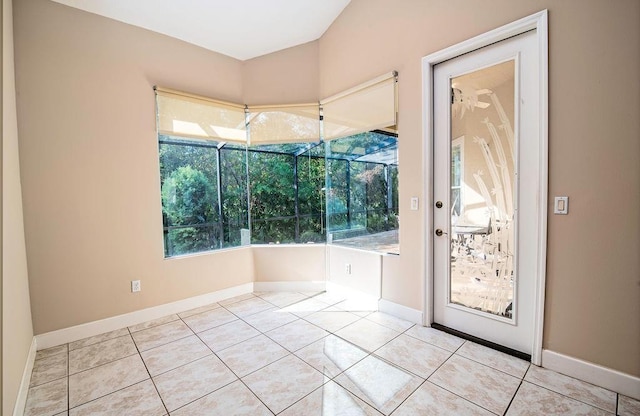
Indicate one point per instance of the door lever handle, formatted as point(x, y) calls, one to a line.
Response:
point(439, 232)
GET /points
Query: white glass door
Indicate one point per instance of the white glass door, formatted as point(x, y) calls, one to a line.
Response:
point(486, 162)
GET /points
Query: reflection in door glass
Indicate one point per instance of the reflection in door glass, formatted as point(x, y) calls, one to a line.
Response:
point(482, 190)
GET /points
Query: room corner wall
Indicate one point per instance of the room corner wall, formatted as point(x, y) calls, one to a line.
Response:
point(90, 168)
point(17, 326)
point(289, 76)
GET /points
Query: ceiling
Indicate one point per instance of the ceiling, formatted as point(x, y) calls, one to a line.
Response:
point(242, 29)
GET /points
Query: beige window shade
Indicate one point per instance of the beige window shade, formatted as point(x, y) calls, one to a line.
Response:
point(284, 124)
point(363, 108)
point(186, 115)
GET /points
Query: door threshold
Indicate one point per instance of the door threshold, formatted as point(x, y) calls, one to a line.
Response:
point(484, 342)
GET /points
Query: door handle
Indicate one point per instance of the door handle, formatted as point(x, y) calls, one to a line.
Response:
point(439, 232)
point(439, 204)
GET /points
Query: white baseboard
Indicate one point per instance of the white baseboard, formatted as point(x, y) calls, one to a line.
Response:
point(74, 333)
point(312, 286)
point(592, 373)
point(21, 400)
point(400, 311)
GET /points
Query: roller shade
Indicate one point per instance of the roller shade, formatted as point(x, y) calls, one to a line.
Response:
point(363, 108)
point(284, 124)
point(187, 115)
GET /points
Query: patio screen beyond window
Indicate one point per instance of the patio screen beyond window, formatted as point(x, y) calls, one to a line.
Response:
point(204, 194)
point(294, 193)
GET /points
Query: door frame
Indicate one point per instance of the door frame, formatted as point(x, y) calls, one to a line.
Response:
point(536, 21)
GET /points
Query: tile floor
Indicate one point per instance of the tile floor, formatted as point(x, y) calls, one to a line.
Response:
point(276, 353)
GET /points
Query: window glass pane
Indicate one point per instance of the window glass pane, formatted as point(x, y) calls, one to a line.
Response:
point(271, 179)
point(311, 177)
point(189, 190)
point(362, 191)
point(287, 201)
point(235, 210)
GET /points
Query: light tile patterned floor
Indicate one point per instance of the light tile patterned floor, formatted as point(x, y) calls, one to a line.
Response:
point(291, 354)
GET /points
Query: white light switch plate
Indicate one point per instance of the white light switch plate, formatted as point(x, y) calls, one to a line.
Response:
point(561, 205)
point(414, 203)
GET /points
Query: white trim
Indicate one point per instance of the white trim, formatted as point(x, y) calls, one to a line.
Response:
point(21, 400)
point(543, 60)
point(536, 21)
point(427, 174)
point(89, 329)
point(207, 253)
point(298, 286)
point(592, 373)
point(400, 311)
point(356, 249)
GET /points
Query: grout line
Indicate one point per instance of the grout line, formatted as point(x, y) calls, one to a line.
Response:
point(153, 326)
point(271, 329)
point(237, 378)
point(310, 393)
point(101, 364)
point(236, 301)
point(205, 395)
point(512, 398)
point(97, 342)
point(456, 394)
point(68, 379)
point(359, 318)
point(439, 367)
point(491, 366)
point(50, 381)
point(408, 397)
point(110, 393)
point(150, 378)
point(460, 397)
point(572, 398)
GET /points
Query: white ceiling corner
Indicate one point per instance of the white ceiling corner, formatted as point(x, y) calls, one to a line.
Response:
point(242, 29)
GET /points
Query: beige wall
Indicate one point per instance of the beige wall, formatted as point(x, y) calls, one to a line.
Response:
point(391, 266)
point(289, 76)
point(16, 308)
point(289, 263)
point(593, 285)
point(90, 174)
point(366, 269)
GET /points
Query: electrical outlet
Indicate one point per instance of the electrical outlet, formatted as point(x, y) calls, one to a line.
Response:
point(135, 286)
point(347, 268)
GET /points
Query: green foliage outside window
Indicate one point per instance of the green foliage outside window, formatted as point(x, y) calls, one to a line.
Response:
point(187, 198)
point(293, 192)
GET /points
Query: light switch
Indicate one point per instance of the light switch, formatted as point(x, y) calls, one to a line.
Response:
point(414, 203)
point(561, 205)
